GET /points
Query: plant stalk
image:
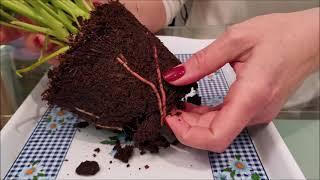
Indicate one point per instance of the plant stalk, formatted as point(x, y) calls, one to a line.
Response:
point(7, 16)
point(66, 22)
point(42, 60)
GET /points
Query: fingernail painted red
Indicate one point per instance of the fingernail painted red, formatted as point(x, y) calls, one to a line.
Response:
point(174, 73)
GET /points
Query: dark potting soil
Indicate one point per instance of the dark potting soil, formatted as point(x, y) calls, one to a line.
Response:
point(97, 150)
point(88, 168)
point(92, 83)
point(123, 153)
point(82, 124)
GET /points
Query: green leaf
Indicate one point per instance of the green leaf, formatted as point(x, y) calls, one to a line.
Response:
point(35, 178)
point(75, 8)
point(35, 162)
point(67, 21)
point(113, 138)
point(255, 176)
point(90, 4)
point(83, 5)
point(111, 142)
point(227, 169)
point(41, 174)
point(232, 174)
point(21, 8)
point(238, 157)
point(34, 28)
point(58, 16)
point(7, 15)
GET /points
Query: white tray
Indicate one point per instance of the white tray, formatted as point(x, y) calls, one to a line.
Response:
point(174, 163)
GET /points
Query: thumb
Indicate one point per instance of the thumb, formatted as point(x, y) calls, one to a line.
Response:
point(208, 60)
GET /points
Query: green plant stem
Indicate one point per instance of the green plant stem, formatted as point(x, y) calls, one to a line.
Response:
point(35, 28)
point(20, 8)
point(83, 5)
point(67, 20)
point(64, 21)
point(90, 3)
point(59, 43)
point(7, 16)
point(73, 12)
point(50, 21)
point(77, 9)
point(42, 60)
point(14, 26)
point(23, 28)
point(42, 17)
point(59, 5)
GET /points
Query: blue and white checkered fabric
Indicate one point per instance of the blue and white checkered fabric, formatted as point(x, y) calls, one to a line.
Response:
point(49, 148)
point(50, 140)
point(212, 90)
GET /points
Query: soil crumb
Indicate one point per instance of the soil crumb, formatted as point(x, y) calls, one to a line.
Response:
point(88, 168)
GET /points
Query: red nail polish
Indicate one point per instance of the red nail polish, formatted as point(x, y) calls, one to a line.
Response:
point(174, 73)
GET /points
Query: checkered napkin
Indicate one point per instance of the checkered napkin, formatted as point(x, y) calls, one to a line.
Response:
point(44, 152)
point(45, 149)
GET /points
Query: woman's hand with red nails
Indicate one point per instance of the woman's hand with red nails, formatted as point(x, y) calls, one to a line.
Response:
point(271, 56)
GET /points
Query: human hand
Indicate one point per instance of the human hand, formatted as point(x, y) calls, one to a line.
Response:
point(271, 55)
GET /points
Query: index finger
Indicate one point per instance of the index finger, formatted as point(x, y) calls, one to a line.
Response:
point(225, 49)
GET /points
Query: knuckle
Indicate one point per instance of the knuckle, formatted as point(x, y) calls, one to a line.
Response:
point(200, 61)
point(238, 37)
point(234, 34)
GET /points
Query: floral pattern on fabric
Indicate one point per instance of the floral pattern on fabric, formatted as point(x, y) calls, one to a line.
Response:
point(238, 169)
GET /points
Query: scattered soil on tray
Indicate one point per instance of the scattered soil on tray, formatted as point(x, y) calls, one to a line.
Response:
point(97, 150)
point(88, 168)
point(123, 154)
point(82, 124)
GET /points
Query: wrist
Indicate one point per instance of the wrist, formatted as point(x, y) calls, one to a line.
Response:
point(306, 34)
